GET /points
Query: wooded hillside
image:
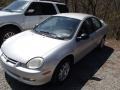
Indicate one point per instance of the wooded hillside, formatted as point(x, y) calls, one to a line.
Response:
point(4, 2)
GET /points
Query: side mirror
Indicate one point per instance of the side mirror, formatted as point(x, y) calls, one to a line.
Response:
point(29, 12)
point(83, 36)
point(36, 25)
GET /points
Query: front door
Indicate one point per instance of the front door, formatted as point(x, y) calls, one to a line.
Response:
point(84, 45)
point(38, 12)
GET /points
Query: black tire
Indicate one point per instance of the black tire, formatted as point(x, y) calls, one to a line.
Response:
point(56, 79)
point(6, 33)
point(102, 43)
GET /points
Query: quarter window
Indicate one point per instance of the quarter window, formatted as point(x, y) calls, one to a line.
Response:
point(47, 9)
point(62, 8)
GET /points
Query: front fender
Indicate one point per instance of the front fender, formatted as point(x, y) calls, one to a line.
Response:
point(56, 56)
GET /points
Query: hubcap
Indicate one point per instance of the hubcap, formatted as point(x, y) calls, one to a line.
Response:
point(64, 71)
point(7, 35)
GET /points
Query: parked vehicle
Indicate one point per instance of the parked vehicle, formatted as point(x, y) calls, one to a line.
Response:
point(47, 52)
point(25, 14)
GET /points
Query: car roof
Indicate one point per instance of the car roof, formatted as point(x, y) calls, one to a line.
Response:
point(79, 16)
point(45, 1)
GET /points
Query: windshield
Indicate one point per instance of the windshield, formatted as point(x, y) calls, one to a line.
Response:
point(58, 27)
point(16, 6)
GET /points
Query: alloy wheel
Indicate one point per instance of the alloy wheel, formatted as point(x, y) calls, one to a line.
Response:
point(64, 71)
point(7, 35)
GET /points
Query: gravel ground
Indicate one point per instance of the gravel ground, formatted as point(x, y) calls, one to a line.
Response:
point(100, 70)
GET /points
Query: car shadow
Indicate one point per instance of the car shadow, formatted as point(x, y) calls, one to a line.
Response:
point(81, 73)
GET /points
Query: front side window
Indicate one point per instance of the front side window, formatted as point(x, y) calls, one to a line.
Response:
point(87, 26)
point(34, 8)
point(58, 27)
point(42, 8)
point(16, 6)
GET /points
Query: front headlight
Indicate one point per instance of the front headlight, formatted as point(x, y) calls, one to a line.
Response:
point(35, 63)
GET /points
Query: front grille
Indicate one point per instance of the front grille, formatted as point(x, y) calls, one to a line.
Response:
point(10, 60)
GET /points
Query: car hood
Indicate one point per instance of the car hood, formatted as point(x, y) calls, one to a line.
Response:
point(5, 13)
point(26, 45)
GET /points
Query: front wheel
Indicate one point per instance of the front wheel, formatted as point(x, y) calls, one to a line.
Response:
point(62, 72)
point(5, 34)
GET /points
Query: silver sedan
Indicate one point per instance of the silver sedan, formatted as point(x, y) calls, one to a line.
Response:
point(47, 52)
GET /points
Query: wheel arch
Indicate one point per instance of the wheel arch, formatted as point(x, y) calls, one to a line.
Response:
point(10, 25)
point(67, 58)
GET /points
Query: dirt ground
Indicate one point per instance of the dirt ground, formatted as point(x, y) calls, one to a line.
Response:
point(100, 70)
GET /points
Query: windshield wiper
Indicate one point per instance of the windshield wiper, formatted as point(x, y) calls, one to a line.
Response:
point(51, 35)
point(44, 33)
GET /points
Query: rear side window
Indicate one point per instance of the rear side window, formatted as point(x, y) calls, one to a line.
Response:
point(96, 23)
point(42, 8)
point(48, 9)
point(62, 8)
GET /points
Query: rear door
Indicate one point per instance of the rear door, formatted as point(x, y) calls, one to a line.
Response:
point(99, 31)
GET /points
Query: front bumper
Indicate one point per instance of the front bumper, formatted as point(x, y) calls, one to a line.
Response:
point(31, 77)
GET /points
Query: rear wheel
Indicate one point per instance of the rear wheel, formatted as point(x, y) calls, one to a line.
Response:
point(62, 72)
point(6, 33)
